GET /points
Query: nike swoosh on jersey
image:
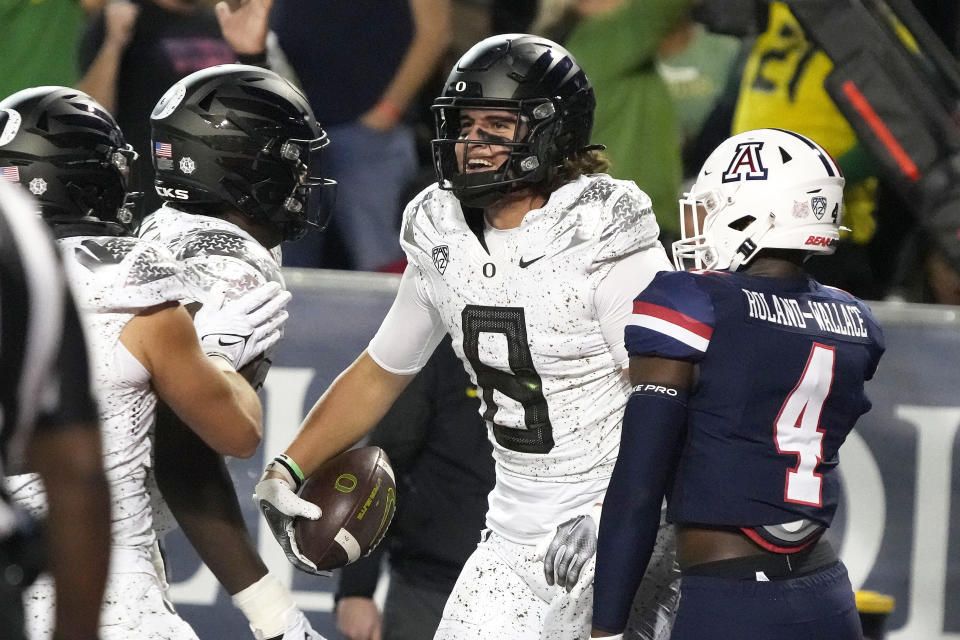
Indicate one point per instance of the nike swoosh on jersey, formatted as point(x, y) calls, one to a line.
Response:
point(526, 263)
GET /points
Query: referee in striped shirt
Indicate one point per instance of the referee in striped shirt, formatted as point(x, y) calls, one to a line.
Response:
point(48, 424)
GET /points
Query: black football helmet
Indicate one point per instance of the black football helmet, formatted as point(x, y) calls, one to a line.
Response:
point(68, 151)
point(243, 136)
point(535, 78)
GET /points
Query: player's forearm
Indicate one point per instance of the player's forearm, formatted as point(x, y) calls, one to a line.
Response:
point(246, 403)
point(100, 81)
point(78, 530)
point(197, 487)
point(650, 440)
point(227, 415)
point(430, 41)
point(351, 406)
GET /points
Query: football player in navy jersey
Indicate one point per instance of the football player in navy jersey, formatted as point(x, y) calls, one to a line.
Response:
point(748, 375)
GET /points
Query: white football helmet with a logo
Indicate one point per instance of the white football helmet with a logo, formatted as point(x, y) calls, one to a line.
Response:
point(761, 189)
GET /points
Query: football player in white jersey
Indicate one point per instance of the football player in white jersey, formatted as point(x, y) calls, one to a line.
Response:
point(530, 257)
point(236, 152)
point(71, 155)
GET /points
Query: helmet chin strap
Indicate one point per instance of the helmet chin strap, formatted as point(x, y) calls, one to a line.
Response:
point(749, 247)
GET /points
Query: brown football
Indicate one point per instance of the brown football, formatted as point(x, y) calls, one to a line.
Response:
point(357, 493)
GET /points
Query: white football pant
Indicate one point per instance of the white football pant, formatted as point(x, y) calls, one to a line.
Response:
point(134, 604)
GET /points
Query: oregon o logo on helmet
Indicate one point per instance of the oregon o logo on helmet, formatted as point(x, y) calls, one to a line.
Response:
point(460, 86)
point(11, 127)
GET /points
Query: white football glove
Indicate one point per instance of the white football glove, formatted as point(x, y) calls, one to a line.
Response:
point(298, 628)
point(280, 506)
point(239, 330)
point(573, 544)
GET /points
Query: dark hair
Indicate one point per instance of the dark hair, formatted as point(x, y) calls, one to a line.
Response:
point(584, 162)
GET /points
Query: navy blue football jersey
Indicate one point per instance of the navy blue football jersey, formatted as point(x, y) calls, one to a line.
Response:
point(782, 365)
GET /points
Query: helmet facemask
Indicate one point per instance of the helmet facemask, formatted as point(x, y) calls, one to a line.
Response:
point(284, 184)
point(712, 240)
point(528, 157)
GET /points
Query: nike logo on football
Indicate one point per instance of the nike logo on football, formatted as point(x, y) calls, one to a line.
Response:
point(526, 263)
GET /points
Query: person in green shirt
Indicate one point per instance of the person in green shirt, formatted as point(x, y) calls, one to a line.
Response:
point(38, 42)
point(616, 43)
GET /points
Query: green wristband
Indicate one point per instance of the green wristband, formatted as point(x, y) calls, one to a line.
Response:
point(293, 466)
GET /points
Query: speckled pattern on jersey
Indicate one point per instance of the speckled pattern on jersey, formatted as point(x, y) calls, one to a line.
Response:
point(525, 323)
point(120, 274)
point(580, 233)
point(213, 252)
point(112, 280)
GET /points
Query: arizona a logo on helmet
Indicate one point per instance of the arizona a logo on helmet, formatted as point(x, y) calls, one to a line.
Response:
point(746, 163)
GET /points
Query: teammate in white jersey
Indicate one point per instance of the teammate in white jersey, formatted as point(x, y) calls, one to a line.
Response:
point(236, 151)
point(530, 258)
point(73, 158)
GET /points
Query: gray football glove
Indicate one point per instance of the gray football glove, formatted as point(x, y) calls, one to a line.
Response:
point(280, 506)
point(574, 542)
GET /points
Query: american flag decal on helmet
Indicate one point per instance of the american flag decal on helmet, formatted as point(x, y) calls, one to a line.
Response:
point(441, 256)
point(10, 174)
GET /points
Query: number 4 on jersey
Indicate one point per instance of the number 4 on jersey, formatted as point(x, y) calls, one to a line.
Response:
point(797, 427)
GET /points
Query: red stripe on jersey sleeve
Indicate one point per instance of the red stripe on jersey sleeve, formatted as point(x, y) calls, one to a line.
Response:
point(673, 317)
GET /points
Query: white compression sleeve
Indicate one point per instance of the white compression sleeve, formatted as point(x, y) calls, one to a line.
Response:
point(410, 332)
point(613, 299)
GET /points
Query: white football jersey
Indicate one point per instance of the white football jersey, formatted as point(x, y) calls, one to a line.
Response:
point(113, 279)
point(524, 322)
point(213, 253)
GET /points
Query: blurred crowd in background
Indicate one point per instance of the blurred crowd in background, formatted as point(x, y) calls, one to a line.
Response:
point(668, 89)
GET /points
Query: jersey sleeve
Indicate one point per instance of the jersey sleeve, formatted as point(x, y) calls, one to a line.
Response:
point(411, 330)
point(613, 299)
point(672, 318)
point(875, 331)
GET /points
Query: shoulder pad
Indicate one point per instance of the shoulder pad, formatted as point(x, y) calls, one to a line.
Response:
point(121, 274)
point(672, 318)
point(627, 221)
point(215, 257)
point(429, 216)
